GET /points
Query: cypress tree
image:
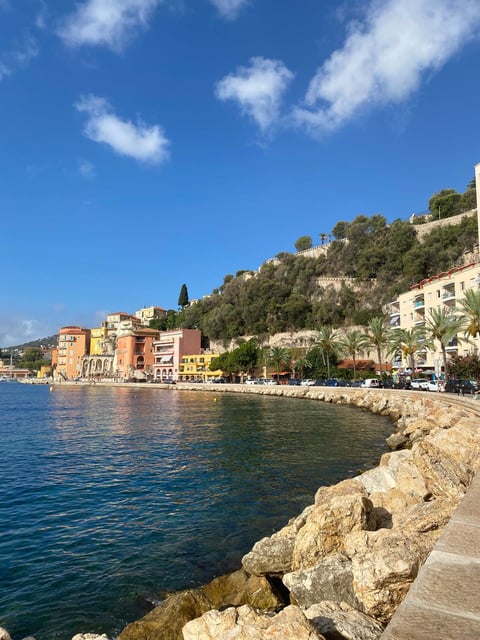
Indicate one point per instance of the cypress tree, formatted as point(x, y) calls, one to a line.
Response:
point(183, 297)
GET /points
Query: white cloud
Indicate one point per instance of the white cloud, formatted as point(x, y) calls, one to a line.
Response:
point(139, 141)
point(15, 59)
point(109, 23)
point(86, 169)
point(258, 89)
point(15, 330)
point(385, 57)
point(229, 8)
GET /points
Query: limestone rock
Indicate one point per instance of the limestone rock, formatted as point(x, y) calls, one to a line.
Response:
point(338, 511)
point(4, 635)
point(339, 621)
point(271, 555)
point(245, 623)
point(330, 579)
point(165, 622)
point(384, 564)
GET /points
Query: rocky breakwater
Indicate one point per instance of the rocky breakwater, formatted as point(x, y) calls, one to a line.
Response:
point(340, 569)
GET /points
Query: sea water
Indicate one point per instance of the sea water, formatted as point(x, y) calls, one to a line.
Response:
point(110, 497)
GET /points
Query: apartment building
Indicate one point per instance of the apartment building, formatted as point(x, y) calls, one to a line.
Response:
point(446, 289)
point(134, 353)
point(73, 345)
point(196, 368)
point(146, 314)
point(170, 348)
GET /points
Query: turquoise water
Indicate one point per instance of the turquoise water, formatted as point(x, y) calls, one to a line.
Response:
point(110, 497)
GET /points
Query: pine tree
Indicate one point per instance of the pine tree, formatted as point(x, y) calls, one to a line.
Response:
point(183, 297)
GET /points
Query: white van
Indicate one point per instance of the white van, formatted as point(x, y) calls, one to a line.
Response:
point(371, 383)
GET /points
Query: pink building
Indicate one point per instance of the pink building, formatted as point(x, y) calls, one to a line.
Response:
point(169, 349)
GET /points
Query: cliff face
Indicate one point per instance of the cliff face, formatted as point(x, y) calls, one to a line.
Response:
point(341, 568)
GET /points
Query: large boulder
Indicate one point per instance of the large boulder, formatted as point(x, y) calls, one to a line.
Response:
point(165, 622)
point(338, 510)
point(340, 621)
point(245, 623)
point(330, 579)
point(384, 564)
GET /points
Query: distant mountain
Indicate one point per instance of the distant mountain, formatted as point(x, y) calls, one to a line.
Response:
point(50, 341)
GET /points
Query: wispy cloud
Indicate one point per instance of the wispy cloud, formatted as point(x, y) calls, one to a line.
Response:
point(258, 90)
point(15, 59)
point(16, 330)
point(109, 23)
point(139, 141)
point(86, 169)
point(385, 57)
point(229, 8)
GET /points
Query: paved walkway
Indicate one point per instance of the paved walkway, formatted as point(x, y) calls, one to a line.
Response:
point(444, 601)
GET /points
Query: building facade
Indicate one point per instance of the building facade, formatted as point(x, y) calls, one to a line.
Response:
point(196, 368)
point(170, 348)
point(147, 314)
point(134, 354)
point(444, 290)
point(73, 345)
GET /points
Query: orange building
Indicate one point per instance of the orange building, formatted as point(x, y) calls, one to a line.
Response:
point(134, 354)
point(73, 344)
point(169, 349)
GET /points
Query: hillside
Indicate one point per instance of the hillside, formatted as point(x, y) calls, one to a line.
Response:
point(367, 264)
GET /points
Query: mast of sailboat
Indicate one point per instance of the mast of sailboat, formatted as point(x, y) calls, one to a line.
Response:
point(11, 363)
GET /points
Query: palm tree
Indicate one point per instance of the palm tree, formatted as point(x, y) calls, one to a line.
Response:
point(470, 307)
point(410, 341)
point(443, 325)
point(280, 358)
point(351, 344)
point(379, 336)
point(328, 343)
point(301, 364)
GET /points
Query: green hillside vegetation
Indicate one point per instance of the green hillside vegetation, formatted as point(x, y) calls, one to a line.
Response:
point(284, 295)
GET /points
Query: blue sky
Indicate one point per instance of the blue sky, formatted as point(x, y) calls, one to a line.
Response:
point(150, 143)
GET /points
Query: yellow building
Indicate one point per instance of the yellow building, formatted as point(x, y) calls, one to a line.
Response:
point(97, 341)
point(196, 368)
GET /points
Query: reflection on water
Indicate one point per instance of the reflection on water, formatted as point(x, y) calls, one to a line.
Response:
point(111, 495)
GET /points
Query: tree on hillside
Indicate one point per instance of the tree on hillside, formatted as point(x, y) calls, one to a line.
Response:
point(444, 204)
point(280, 357)
point(183, 297)
point(303, 243)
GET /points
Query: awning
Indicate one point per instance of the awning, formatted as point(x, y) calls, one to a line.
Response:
point(166, 360)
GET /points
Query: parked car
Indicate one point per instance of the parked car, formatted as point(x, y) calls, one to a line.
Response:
point(331, 382)
point(435, 385)
point(461, 386)
point(307, 382)
point(320, 383)
point(294, 382)
point(419, 384)
point(371, 383)
point(270, 382)
point(251, 381)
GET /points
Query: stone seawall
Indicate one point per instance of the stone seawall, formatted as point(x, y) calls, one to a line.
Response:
point(341, 568)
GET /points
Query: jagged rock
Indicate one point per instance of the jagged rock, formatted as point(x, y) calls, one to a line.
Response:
point(384, 564)
point(245, 623)
point(444, 473)
point(338, 511)
point(340, 621)
point(330, 579)
point(165, 622)
point(4, 635)
point(272, 555)
point(396, 440)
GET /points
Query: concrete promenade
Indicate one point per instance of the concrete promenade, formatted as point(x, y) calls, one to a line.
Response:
point(443, 603)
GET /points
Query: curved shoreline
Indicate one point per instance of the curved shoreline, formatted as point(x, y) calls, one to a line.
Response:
point(389, 517)
point(405, 503)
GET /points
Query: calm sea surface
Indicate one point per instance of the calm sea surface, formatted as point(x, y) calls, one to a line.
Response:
point(110, 497)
